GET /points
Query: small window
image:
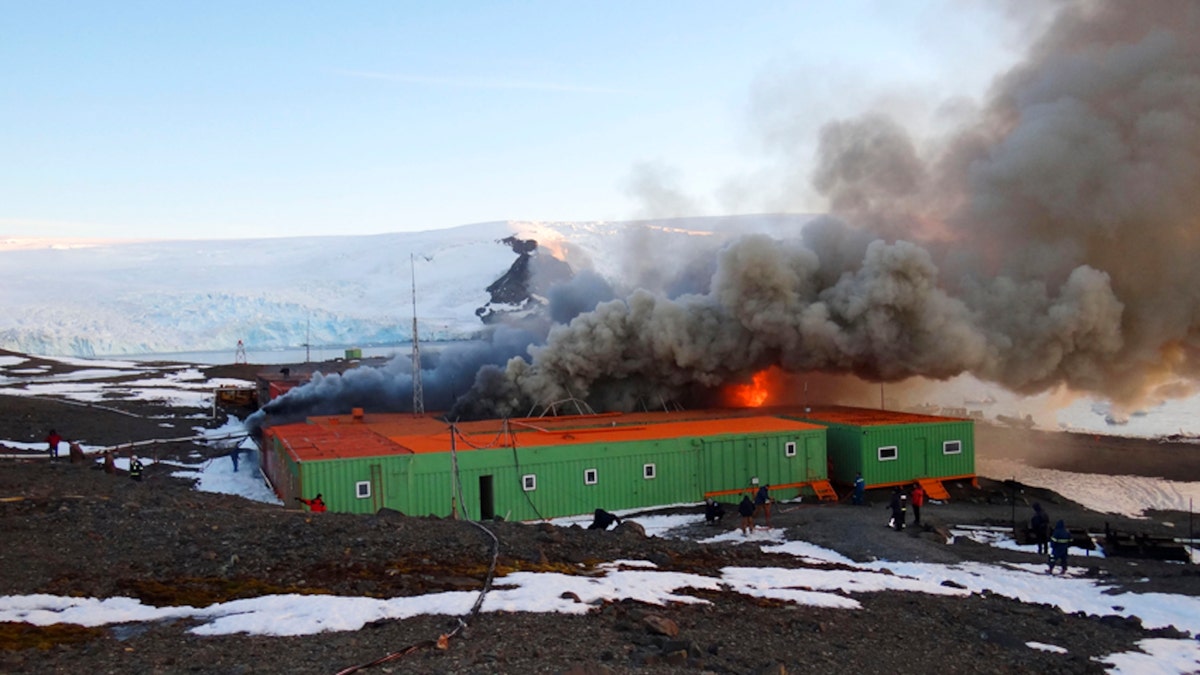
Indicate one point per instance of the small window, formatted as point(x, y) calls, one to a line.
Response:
point(362, 489)
point(529, 482)
point(952, 448)
point(648, 471)
point(789, 450)
point(589, 476)
point(888, 453)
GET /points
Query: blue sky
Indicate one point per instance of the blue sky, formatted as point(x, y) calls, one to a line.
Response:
point(233, 119)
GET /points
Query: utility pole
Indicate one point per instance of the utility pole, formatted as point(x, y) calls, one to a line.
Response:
point(418, 390)
point(307, 337)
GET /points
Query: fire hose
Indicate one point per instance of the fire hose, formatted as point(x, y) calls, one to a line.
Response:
point(443, 640)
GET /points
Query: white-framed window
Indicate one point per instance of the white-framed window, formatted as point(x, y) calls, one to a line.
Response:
point(952, 448)
point(362, 489)
point(649, 471)
point(529, 482)
point(888, 452)
point(789, 449)
point(590, 477)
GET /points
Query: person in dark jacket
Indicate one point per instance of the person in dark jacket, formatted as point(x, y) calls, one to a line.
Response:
point(316, 504)
point(1060, 541)
point(860, 490)
point(714, 511)
point(1039, 527)
point(135, 467)
point(602, 519)
point(762, 504)
point(899, 509)
point(746, 511)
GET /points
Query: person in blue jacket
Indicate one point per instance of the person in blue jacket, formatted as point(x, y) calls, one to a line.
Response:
point(860, 489)
point(1060, 541)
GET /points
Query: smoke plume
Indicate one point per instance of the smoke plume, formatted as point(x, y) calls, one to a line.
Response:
point(1051, 240)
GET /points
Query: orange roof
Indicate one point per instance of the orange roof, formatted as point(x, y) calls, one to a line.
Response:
point(383, 434)
point(311, 442)
point(866, 417)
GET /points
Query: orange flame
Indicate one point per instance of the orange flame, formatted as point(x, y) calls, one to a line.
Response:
point(753, 395)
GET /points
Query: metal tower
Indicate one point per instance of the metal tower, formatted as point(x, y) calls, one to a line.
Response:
point(240, 355)
point(418, 390)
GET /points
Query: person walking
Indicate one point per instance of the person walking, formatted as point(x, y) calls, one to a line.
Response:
point(762, 503)
point(898, 507)
point(52, 441)
point(1039, 527)
point(135, 468)
point(1060, 542)
point(746, 511)
point(918, 500)
point(860, 489)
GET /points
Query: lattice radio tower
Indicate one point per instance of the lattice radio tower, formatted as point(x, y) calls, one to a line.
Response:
point(418, 390)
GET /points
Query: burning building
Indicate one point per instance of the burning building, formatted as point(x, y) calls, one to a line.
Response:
point(533, 468)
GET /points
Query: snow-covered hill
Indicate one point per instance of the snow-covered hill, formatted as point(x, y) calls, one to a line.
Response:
point(97, 297)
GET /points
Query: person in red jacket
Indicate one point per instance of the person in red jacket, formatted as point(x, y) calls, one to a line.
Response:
point(316, 504)
point(917, 500)
point(53, 440)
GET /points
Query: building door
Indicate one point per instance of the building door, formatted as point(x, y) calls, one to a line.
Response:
point(376, 488)
point(487, 499)
point(923, 458)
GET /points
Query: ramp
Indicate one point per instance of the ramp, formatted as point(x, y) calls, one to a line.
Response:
point(934, 489)
point(824, 490)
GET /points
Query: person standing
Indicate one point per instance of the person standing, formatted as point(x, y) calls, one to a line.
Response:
point(918, 500)
point(746, 511)
point(860, 489)
point(234, 456)
point(1060, 542)
point(898, 507)
point(1039, 527)
point(135, 468)
point(110, 466)
point(762, 502)
point(52, 441)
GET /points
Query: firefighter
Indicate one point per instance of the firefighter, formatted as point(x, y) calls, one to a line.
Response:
point(135, 468)
point(899, 509)
point(316, 504)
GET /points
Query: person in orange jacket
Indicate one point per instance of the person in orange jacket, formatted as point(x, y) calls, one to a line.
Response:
point(316, 504)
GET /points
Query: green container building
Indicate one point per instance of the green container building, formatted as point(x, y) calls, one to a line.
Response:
point(538, 468)
point(893, 448)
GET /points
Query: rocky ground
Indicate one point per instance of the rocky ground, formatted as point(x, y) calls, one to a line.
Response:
point(71, 529)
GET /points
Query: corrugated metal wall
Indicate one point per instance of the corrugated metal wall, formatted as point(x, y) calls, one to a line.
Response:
point(569, 480)
point(919, 451)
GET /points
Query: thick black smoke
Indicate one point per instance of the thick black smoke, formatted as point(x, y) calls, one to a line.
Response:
point(446, 373)
point(1053, 240)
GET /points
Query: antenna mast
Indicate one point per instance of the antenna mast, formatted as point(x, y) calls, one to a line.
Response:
point(418, 390)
